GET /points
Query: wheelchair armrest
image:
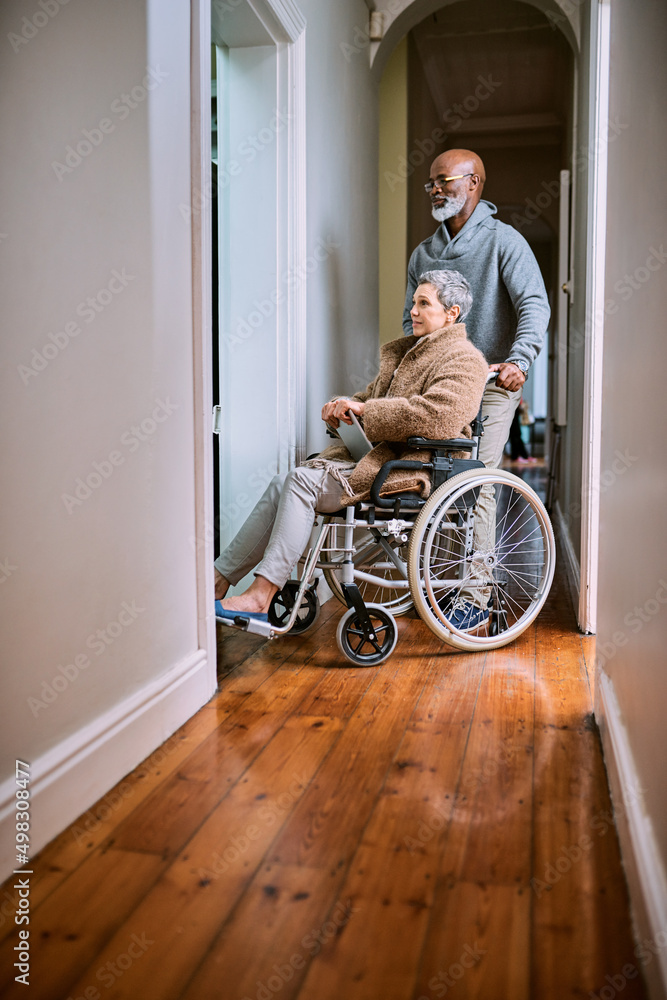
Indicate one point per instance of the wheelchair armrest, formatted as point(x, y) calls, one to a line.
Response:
point(381, 478)
point(451, 444)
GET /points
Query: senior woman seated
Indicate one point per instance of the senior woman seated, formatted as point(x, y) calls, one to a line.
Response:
point(429, 384)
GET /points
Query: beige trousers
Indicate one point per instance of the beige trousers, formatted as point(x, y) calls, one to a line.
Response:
point(278, 528)
point(499, 405)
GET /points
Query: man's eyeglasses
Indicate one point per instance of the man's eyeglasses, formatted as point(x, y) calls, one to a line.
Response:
point(440, 182)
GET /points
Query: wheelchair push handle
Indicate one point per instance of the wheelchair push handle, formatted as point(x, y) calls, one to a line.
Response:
point(381, 478)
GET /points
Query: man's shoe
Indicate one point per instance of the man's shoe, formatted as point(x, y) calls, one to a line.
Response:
point(446, 602)
point(467, 617)
point(221, 612)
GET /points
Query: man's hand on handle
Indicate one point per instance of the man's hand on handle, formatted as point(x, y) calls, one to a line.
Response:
point(339, 409)
point(510, 377)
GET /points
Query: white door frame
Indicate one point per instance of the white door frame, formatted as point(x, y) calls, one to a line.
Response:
point(563, 302)
point(285, 23)
point(200, 220)
point(598, 102)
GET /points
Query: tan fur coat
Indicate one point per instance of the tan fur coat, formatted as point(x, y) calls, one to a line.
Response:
point(429, 386)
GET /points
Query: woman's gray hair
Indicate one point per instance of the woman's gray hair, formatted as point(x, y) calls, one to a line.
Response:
point(451, 288)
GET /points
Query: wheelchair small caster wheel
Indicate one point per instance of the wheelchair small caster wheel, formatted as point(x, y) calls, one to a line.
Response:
point(360, 648)
point(283, 602)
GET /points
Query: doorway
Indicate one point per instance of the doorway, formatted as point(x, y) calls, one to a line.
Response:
point(526, 89)
point(259, 226)
point(496, 78)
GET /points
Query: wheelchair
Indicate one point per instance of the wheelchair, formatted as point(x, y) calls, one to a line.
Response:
point(483, 537)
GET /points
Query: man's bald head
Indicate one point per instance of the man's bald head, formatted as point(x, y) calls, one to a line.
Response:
point(457, 199)
point(458, 161)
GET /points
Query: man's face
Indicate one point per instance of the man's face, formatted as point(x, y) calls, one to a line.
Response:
point(448, 198)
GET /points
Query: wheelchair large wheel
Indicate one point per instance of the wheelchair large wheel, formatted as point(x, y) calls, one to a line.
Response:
point(371, 557)
point(484, 541)
point(360, 649)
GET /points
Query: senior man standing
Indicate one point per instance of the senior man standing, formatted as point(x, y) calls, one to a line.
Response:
point(507, 322)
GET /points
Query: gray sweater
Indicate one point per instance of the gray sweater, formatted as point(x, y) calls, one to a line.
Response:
point(510, 310)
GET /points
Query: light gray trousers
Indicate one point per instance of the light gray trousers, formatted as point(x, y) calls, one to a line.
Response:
point(278, 528)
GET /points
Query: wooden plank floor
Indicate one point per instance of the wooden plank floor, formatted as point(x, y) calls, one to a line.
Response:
point(437, 826)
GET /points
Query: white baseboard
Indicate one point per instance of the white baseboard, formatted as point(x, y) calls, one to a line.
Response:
point(70, 777)
point(643, 864)
point(572, 570)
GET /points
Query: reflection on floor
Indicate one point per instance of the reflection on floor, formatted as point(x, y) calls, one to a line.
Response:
point(437, 826)
point(534, 473)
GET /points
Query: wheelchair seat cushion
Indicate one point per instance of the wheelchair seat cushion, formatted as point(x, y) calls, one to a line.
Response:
point(399, 481)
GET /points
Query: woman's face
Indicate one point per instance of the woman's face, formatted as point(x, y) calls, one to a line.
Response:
point(428, 314)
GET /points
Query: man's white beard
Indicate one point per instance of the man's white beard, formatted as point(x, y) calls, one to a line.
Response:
point(451, 207)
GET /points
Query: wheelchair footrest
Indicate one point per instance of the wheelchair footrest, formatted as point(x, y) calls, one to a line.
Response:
point(253, 625)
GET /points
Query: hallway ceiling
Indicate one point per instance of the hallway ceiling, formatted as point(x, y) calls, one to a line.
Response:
point(515, 49)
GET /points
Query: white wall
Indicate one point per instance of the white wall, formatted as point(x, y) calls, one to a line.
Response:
point(580, 165)
point(393, 192)
point(632, 634)
point(74, 566)
point(342, 293)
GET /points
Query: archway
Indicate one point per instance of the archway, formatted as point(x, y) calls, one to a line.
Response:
point(545, 116)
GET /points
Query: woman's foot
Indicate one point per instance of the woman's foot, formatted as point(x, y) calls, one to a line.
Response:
point(221, 585)
point(222, 613)
point(257, 598)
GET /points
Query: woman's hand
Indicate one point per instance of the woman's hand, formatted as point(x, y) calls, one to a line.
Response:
point(340, 409)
